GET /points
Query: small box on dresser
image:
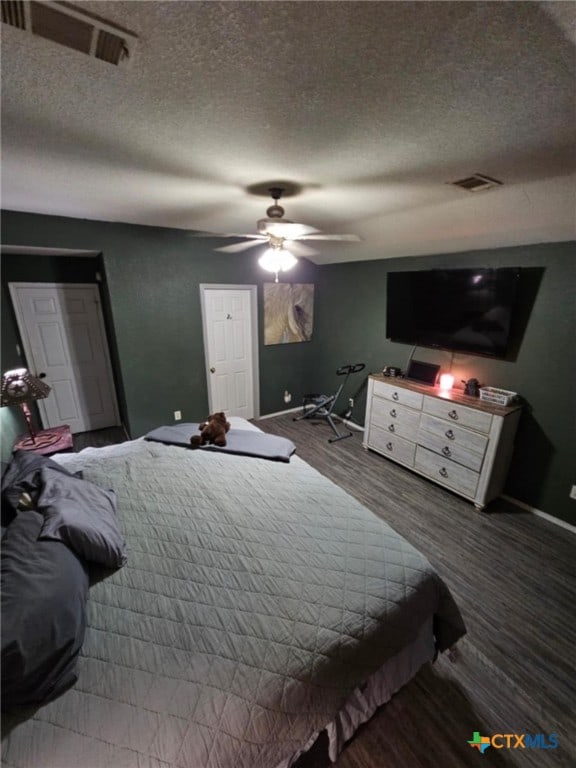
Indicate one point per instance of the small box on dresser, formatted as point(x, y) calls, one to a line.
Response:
point(457, 441)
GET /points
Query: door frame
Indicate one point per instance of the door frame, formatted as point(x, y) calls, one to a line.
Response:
point(27, 345)
point(253, 295)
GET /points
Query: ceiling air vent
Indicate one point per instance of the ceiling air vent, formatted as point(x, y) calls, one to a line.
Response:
point(13, 13)
point(477, 183)
point(68, 25)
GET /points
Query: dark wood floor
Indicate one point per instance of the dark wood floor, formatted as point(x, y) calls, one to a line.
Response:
point(99, 438)
point(514, 577)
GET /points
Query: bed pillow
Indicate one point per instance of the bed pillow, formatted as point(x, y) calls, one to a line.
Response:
point(83, 516)
point(44, 592)
point(23, 477)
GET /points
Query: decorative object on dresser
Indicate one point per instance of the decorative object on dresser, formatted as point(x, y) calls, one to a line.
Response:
point(391, 371)
point(498, 396)
point(425, 373)
point(457, 441)
point(446, 381)
point(471, 387)
point(19, 387)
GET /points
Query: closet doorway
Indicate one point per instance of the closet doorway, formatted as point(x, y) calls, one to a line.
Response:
point(63, 334)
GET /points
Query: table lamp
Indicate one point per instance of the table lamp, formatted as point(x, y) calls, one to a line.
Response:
point(19, 387)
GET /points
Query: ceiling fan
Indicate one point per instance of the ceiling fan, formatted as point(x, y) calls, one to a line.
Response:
point(280, 233)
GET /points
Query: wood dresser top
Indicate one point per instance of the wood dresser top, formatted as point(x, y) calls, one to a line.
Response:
point(451, 395)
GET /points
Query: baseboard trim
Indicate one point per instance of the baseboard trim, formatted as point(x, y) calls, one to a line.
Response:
point(350, 424)
point(279, 413)
point(540, 513)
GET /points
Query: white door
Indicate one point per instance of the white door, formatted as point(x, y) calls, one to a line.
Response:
point(230, 342)
point(62, 330)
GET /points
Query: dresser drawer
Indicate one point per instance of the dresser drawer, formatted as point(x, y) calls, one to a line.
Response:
point(451, 450)
point(391, 445)
point(447, 472)
point(396, 419)
point(398, 394)
point(458, 414)
point(452, 435)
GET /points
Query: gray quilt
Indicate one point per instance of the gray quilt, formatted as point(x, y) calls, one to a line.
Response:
point(257, 594)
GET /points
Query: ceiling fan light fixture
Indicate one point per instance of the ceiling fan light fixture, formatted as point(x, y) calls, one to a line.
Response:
point(277, 259)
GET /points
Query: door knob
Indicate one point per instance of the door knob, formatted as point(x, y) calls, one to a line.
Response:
point(212, 370)
point(42, 375)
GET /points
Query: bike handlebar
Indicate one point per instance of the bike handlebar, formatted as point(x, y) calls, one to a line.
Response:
point(352, 368)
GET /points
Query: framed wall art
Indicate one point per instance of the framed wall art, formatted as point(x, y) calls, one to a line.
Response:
point(288, 312)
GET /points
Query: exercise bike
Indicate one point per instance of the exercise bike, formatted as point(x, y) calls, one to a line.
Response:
point(322, 406)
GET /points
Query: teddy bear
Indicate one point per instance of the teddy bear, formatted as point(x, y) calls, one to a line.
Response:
point(212, 431)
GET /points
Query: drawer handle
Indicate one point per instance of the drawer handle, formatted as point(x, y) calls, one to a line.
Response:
point(393, 413)
point(395, 396)
point(391, 428)
point(449, 434)
point(446, 451)
point(443, 472)
point(453, 415)
point(389, 446)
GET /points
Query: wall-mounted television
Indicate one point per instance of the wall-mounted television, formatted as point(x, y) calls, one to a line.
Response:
point(462, 310)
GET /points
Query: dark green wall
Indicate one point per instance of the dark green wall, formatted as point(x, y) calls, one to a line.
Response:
point(153, 276)
point(543, 371)
point(152, 279)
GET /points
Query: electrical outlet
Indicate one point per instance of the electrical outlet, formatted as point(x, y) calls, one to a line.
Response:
point(573, 492)
point(287, 397)
point(351, 402)
point(177, 415)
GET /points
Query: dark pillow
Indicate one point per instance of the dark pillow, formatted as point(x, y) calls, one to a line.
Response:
point(23, 476)
point(44, 592)
point(83, 516)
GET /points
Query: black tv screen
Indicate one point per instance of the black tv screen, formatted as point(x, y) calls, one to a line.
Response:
point(462, 310)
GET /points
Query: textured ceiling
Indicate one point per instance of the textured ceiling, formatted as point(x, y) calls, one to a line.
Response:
point(368, 108)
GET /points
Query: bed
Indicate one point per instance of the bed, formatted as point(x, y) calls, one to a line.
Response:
point(260, 605)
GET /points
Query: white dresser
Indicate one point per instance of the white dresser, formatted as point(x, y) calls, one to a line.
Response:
point(457, 441)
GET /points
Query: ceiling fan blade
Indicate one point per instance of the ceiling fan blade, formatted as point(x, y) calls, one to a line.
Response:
point(321, 236)
point(228, 234)
point(298, 248)
point(289, 230)
point(237, 247)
